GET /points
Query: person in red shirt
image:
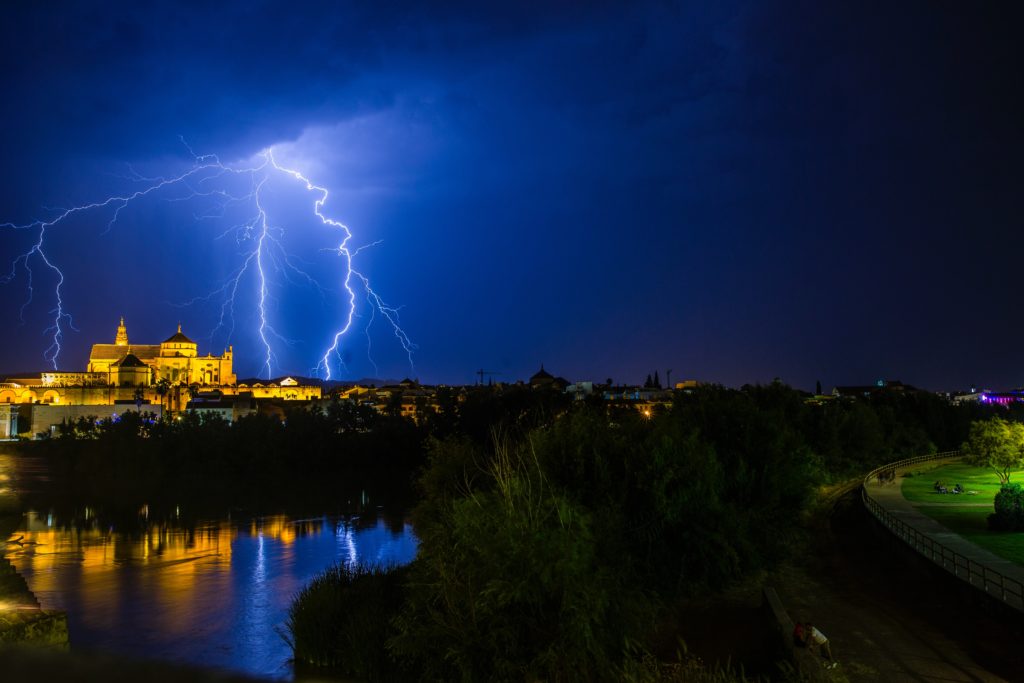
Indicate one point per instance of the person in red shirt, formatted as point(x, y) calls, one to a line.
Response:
point(800, 635)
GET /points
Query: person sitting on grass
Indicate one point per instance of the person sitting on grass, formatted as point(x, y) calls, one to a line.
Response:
point(799, 635)
point(818, 640)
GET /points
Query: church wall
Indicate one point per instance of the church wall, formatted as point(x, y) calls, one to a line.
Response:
point(131, 377)
point(86, 396)
point(209, 370)
point(99, 366)
point(204, 370)
point(74, 379)
point(8, 422)
point(43, 419)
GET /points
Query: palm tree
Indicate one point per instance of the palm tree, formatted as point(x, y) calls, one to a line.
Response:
point(163, 387)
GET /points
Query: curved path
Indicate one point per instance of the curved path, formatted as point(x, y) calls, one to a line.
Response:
point(976, 560)
point(887, 619)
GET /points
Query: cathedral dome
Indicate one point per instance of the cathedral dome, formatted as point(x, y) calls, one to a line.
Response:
point(178, 338)
point(541, 377)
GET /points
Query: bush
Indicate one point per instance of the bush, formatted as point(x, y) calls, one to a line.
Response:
point(508, 586)
point(342, 620)
point(1009, 509)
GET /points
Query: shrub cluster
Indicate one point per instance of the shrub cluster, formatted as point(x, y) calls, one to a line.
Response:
point(340, 619)
point(1009, 509)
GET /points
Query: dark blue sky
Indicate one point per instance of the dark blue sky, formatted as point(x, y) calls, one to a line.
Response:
point(735, 191)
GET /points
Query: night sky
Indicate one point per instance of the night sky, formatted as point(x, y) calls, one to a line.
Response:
point(810, 191)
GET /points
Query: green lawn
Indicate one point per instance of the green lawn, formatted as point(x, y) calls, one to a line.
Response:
point(920, 487)
point(965, 513)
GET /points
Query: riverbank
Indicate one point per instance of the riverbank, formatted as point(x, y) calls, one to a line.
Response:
point(22, 621)
point(31, 665)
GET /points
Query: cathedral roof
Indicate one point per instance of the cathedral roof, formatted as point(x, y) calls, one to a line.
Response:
point(179, 338)
point(541, 375)
point(130, 361)
point(116, 351)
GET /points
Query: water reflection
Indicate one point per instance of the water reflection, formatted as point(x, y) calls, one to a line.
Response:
point(214, 593)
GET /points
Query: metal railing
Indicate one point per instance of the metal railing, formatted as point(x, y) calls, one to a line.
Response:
point(1008, 590)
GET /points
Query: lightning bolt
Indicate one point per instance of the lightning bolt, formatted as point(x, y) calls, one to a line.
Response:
point(207, 178)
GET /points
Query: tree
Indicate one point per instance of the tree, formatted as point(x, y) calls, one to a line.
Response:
point(509, 584)
point(997, 444)
point(657, 380)
point(1009, 509)
point(163, 387)
point(648, 383)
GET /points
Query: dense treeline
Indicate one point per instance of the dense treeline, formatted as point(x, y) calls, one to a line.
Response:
point(259, 462)
point(551, 543)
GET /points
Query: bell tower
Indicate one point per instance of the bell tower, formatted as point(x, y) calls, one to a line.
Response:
point(122, 334)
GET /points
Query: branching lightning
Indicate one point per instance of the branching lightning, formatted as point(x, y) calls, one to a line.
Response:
point(265, 255)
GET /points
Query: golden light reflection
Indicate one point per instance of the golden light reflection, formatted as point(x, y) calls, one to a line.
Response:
point(281, 528)
point(176, 567)
point(215, 594)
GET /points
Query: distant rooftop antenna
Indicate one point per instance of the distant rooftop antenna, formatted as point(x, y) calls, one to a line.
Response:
point(490, 373)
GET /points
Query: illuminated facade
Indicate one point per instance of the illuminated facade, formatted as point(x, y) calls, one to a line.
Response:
point(167, 374)
point(176, 360)
point(8, 422)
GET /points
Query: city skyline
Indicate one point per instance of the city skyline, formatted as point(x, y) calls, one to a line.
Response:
point(737, 193)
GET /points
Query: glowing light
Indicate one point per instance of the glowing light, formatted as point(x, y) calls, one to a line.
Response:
point(208, 177)
point(17, 607)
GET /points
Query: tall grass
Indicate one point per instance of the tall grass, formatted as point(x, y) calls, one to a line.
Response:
point(341, 621)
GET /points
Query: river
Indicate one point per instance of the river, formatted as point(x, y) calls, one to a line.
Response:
point(212, 591)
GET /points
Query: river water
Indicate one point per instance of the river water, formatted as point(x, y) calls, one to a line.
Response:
point(213, 592)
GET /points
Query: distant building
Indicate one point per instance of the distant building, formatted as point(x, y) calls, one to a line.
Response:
point(580, 390)
point(229, 407)
point(882, 386)
point(1002, 398)
point(287, 388)
point(542, 379)
point(166, 375)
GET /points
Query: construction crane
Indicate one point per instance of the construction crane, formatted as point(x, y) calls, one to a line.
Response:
point(489, 373)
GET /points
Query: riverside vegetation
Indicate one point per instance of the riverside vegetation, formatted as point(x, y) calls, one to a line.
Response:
point(260, 464)
point(554, 538)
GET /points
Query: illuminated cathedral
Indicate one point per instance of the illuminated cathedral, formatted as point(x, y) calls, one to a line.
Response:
point(176, 360)
point(168, 374)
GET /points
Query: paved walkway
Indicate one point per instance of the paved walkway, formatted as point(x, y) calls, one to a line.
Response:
point(890, 497)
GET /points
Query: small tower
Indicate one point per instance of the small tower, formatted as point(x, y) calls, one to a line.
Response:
point(122, 334)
